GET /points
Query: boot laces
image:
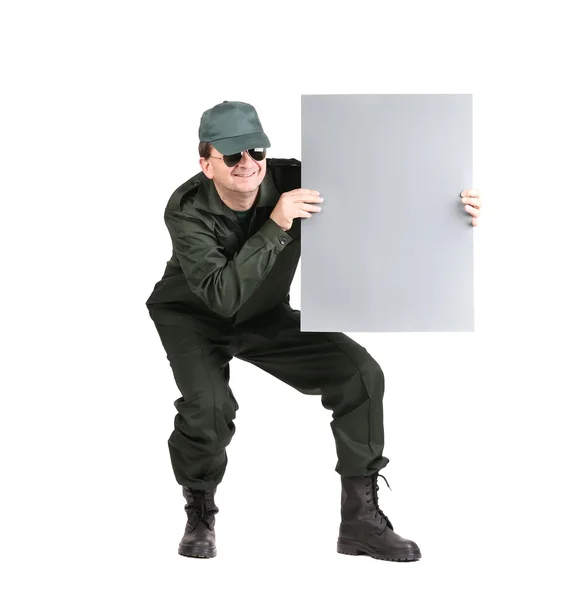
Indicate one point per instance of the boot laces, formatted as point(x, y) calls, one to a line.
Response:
point(379, 515)
point(199, 513)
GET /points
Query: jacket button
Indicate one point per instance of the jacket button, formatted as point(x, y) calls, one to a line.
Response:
point(282, 241)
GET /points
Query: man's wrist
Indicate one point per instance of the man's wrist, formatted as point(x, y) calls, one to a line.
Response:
point(278, 224)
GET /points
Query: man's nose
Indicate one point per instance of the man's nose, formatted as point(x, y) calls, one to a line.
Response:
point(246, 159)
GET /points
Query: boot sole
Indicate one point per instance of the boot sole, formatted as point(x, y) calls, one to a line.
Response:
point(354, 548)
point(197, 552)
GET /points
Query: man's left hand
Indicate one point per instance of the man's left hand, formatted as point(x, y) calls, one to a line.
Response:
point(472, 199)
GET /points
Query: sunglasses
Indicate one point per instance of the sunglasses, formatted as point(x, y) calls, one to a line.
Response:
point(232, 159)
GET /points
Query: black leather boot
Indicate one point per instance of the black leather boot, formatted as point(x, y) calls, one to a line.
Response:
point(199, 538)
point(364, 528)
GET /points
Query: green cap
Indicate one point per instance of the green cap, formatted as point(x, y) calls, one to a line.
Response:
point(232, 127)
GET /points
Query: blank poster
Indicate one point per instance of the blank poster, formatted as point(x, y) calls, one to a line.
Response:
point(392, 248)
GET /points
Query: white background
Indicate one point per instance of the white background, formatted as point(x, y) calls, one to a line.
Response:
point(100, 115)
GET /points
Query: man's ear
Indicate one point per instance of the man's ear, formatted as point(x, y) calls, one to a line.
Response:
point(206, 167)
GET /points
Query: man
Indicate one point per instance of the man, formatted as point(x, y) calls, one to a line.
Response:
point(235, 230)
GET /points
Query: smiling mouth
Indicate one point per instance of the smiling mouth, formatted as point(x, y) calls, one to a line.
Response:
point(244, 176)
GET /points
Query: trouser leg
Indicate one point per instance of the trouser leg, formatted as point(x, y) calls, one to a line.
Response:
point(336, 367)
point(203, 425)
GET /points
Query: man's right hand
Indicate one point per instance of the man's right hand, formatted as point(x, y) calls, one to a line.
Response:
point(296, 203)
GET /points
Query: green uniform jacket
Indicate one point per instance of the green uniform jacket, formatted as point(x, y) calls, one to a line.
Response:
point(225, 277)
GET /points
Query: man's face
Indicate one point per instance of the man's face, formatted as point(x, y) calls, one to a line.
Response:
point(245, 177)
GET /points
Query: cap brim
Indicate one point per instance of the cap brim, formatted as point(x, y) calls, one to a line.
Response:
point(242, 142)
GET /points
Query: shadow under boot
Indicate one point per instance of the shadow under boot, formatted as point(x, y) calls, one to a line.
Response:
point(199, 538)
point(365, 529)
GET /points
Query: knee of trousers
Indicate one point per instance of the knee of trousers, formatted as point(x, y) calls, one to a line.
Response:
point(363, 383)
point(370, 373)
point(373, 377)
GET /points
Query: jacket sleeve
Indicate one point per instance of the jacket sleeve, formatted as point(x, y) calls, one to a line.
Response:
point(224, 285)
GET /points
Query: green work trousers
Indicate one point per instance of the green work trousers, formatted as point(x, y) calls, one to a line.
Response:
point(349, 380)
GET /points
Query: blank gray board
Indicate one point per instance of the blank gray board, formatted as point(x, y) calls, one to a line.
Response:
point(392, 248)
